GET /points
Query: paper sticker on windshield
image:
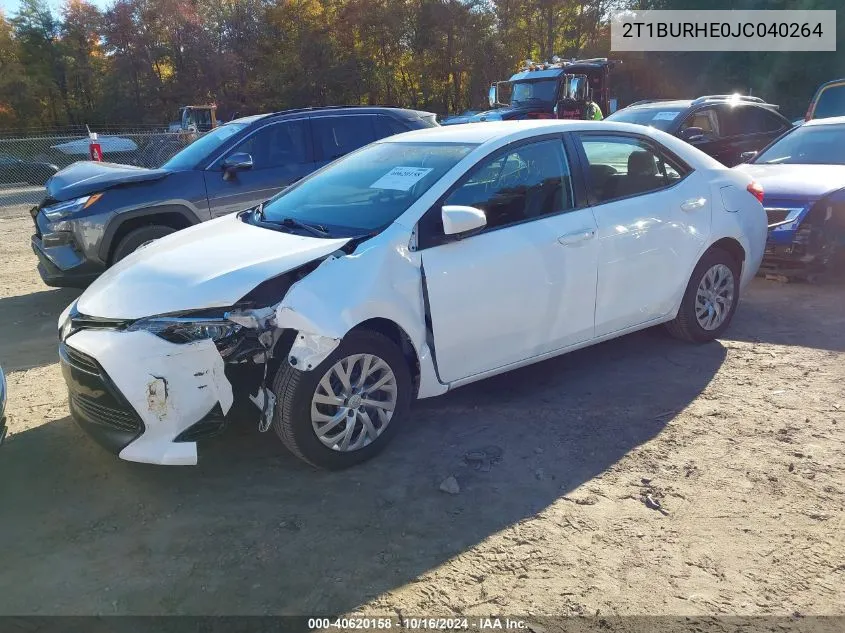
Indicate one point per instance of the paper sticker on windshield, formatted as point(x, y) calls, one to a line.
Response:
point(664, 116)
point(401, 178)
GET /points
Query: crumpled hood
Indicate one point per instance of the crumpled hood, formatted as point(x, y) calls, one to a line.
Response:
point(798, 182)
point(87, 176)
point(213, 264)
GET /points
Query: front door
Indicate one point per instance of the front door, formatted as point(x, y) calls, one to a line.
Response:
point(653, 217)
point(713, 140)
point(281, 155)
point(526, 284)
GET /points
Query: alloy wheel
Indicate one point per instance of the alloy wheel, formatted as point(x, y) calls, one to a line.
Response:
point(714, 297)
point(353, 402)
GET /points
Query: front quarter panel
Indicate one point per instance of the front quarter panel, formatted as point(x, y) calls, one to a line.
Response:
point(182, 190)
point(381, 280)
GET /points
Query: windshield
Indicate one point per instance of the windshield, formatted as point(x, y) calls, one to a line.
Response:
point(527, 92)
point(189, 157)
point(366, 190)
point(807, 145)
point(831, 102)
point(660, 118)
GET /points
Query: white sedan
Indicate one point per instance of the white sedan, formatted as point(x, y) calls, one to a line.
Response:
point(413, 266)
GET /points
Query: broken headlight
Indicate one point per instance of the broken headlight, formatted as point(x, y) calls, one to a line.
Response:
point(64, 209)
point(187, 329)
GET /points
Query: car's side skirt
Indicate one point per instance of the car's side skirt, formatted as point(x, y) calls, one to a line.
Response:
point(558, 352)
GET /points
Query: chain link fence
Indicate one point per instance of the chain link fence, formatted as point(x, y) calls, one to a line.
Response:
point(28, 158)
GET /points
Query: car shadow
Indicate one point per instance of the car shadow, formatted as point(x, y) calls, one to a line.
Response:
point(33, 318)
point(788, 314)
point(252, 530)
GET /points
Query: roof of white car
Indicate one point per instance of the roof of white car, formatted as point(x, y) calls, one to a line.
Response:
point(482, 132)
point(828, 121)
point(499, 133)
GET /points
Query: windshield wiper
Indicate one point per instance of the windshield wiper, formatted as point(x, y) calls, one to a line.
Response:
point(314, 229)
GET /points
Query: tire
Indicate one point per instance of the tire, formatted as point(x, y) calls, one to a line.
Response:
point(138, 237)
point(295, 389)
point(686, 325)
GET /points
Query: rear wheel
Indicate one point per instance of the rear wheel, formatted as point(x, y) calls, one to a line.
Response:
point(710, 299)
point(138, 237)
point(347, 409)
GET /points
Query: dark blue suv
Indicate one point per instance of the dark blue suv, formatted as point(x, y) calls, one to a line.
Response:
point(97, 213)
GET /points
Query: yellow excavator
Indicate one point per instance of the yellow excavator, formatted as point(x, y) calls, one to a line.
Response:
point(194, 120)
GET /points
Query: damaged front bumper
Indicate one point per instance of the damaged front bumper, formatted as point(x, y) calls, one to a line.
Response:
point(142, 397)
point(805, 241)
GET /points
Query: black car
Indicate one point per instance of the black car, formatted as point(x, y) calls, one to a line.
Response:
point(723, 126)
point(98, 213)
point(16, 170)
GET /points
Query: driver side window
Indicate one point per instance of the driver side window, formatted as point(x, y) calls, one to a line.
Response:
point(705, 119)
point(277, 145)
point(521, 183)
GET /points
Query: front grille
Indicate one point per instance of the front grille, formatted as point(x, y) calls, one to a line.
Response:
point(81, 361)
point(83, 322)
point(103, 415)
point(212, 424)
point(94, 398)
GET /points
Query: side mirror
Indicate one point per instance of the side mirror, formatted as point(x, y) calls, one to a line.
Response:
point(747, 156)
point(237, 162)
point(458, 219)
point(491, 96)
point(691, 134)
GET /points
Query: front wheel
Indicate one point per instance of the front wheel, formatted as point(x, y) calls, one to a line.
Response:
point(710, 299)
point(348, 408)
point(138, 238)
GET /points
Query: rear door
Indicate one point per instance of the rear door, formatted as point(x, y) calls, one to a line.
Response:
point(747, 128)
point(281, 154)
point(336, 136)
point(653, 218)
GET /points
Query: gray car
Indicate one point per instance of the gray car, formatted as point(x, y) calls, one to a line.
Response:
point(98, 213)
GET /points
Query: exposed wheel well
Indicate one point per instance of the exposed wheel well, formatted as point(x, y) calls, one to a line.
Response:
point(732, 247)
point(396, 334)
point(168, 218)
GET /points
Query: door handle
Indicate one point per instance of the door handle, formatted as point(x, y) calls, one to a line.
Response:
point(578, 236)
point(692, 205)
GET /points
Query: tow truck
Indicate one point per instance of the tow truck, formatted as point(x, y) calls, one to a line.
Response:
point(558, 89)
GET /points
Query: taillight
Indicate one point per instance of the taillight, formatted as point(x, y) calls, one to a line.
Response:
point(756, 190)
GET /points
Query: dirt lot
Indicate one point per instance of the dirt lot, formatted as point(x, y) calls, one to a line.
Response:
point(741, 441)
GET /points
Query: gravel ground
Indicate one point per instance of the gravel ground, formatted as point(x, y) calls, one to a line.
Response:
point(739, 441)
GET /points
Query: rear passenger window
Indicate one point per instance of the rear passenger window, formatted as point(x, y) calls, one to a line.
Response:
point(620, 167)
point(388, 126)
point(336, 136)
point(751, 120)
